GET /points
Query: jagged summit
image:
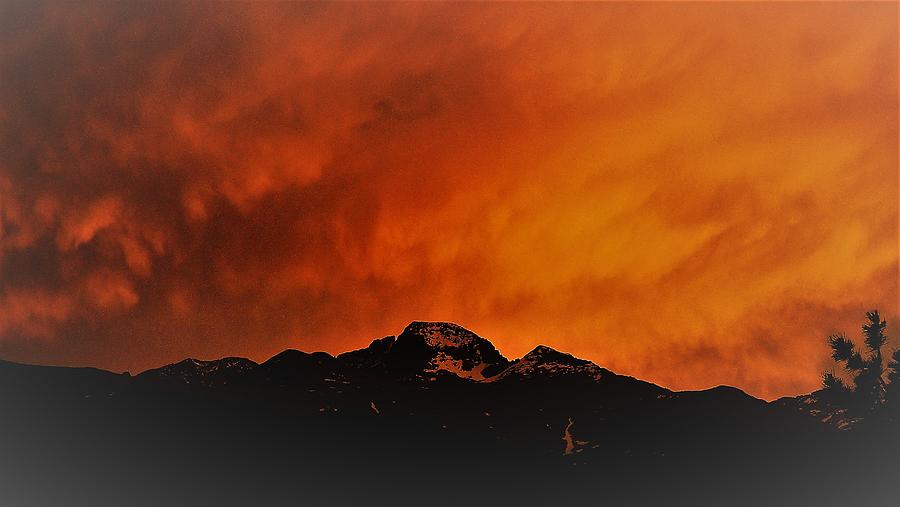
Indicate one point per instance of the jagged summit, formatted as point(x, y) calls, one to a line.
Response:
point(454, 349)
point(426, 349)
point(543, 353)
point(442, 334)
point(547, 362)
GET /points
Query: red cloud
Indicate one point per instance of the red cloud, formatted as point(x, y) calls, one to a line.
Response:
point(258, 176)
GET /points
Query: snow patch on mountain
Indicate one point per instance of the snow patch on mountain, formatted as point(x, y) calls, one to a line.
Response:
point(455, 349)
point(443, 335)
point(443, 362)
point(567, 438)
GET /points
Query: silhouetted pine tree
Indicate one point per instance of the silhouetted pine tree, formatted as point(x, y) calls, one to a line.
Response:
point(835, 393)
point(867, 372)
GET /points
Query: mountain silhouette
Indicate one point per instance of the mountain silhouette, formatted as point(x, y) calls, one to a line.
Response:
point(431, 347)
point(205, 373)
point(436, 415)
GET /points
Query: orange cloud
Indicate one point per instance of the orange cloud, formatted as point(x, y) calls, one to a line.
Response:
point(35, 313)
point(691, 193)
point(109, 291)
point(81, 227)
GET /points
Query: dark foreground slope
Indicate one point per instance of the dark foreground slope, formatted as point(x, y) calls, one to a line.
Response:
point(434, 416)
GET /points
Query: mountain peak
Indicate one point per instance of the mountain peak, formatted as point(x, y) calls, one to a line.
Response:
point(441, 334)
point(427, 348)
point(544, 354)
point(541, 350)
point(544, 361)
point(195, 371)
point(449, 347)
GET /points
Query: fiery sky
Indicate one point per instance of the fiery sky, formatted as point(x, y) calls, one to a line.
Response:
point(694, 194)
